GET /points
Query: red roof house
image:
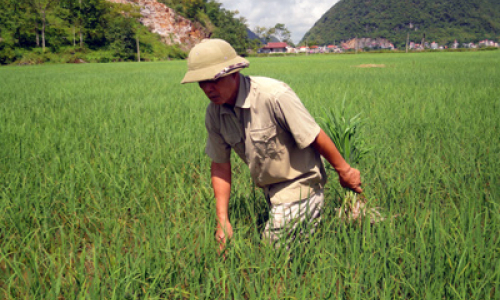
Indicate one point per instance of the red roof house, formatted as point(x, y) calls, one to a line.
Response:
point(280, 47)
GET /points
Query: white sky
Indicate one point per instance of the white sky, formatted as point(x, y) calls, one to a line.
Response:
point(297, 15)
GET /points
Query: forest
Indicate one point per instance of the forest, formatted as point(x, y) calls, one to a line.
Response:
point(37, 31)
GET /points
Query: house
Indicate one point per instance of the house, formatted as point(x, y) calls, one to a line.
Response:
point(333, 49)
point(330, 48)
point(487, 43)
point(314, 49)
point(274, 48)
point(303, 49)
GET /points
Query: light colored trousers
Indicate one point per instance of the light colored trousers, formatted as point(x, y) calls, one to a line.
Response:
point(289, 220)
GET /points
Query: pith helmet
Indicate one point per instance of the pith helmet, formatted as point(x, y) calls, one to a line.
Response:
point(212, 59)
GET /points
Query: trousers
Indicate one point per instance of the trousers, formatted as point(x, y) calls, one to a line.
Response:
point(289, 221)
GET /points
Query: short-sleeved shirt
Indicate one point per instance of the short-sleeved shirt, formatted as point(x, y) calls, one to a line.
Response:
point(271, 131)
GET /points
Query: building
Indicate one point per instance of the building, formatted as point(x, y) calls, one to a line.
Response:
point(280, 47)
point(333, 49)
point(303, 49)
point(487, 43)
point(314, 49)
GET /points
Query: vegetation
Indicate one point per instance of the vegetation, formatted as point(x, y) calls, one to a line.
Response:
point(221, 22)
point(105, 188)
point(440, 21)
point(278, 33)
point(344, 130)
point(34, 31)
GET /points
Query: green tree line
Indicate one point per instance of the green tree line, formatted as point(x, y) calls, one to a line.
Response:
point(97, 30)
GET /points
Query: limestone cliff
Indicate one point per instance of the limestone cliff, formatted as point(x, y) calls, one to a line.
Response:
point(173, 28)
point(368, 42)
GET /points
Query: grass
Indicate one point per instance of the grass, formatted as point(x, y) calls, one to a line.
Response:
point(105, 191)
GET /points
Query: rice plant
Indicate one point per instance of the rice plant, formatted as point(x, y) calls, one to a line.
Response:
point(105, 188)
point(344, 132)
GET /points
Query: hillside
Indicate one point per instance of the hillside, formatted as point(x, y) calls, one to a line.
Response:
point(442, 21)
point(59, 31)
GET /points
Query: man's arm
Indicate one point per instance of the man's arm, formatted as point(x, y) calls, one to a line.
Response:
point(349, 177)
point(221, 183)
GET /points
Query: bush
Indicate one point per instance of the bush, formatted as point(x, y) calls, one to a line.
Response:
point(102, 56)
point(488, 49)
point(7, 54)
point(31, 58)
point(7, 50)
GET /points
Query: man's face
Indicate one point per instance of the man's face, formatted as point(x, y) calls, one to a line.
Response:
point(223, 90)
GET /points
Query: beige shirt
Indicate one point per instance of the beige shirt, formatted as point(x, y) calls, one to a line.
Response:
point(271, 130)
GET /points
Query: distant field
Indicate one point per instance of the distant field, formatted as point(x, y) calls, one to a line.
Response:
point(105, 190)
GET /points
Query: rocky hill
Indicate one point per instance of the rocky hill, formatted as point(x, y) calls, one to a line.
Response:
point(442, 21)
point(173, 28)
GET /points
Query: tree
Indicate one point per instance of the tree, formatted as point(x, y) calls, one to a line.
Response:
point(263, 33)
point(255, 45)
point(42, 7)
point(123, 31)
point(73, 17)
point(10, 21)
point(19, 23)
point(191, 8)
point(131, 13)
point(280, 32)
point(95, 19)
point(228, 27)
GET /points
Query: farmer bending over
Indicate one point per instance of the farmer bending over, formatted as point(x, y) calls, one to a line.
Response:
point(269, 128)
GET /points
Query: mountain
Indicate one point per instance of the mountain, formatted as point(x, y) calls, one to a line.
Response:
point(442, 21)
point(253, 36)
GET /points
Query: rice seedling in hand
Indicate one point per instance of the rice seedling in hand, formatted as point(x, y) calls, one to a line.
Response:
point(344, 132)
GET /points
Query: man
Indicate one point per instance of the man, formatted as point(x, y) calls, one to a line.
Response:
point(266, 124)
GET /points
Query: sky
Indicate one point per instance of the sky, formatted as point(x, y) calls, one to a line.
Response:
point(297, 15)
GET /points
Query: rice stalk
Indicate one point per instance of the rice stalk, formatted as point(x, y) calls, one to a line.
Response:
point(344, 132)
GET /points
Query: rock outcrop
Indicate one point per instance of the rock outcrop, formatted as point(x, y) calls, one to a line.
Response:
point(173, 28)
point(368, 42)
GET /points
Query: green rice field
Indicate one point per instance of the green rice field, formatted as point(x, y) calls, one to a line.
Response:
point(105, 188)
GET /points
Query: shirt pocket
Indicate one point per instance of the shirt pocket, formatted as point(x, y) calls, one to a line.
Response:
point(232, 138)
point(236, 143)
point(266, 142)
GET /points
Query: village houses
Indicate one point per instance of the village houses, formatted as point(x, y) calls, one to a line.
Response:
point(364, 43)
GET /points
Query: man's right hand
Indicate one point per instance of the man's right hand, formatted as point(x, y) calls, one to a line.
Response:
point(221, 183)
point(223, 234)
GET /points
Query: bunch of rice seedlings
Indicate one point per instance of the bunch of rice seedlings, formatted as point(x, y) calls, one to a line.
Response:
point(344, 132)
